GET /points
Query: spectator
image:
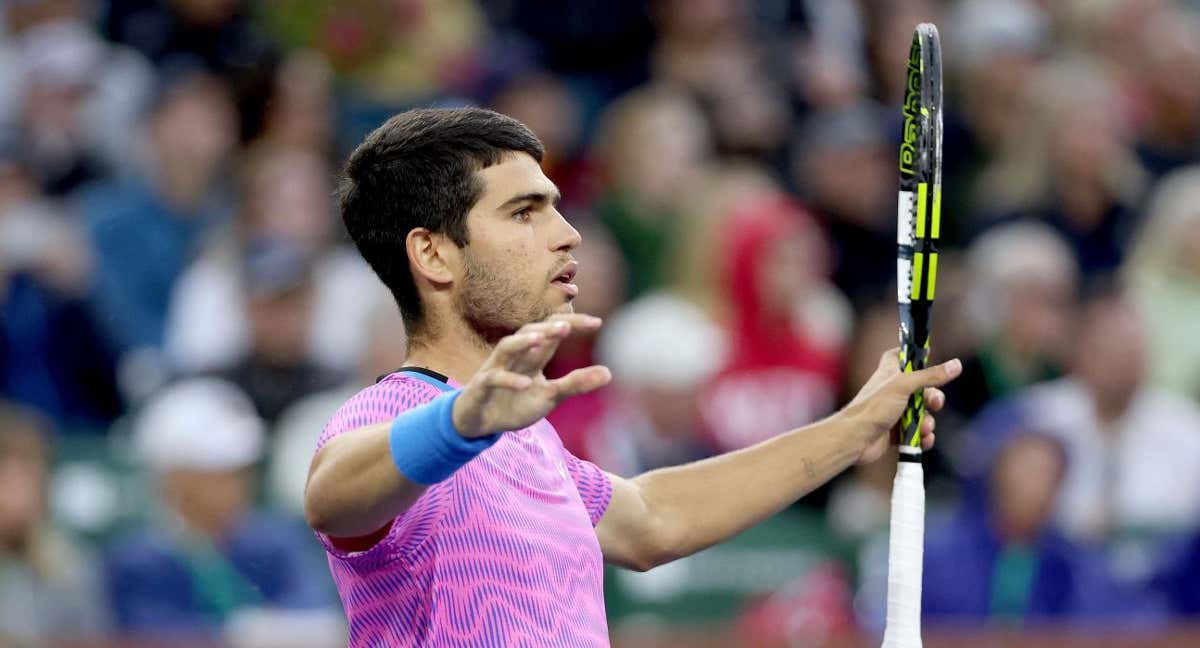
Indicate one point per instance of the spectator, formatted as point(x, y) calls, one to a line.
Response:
point(858, 209)
point(662, 350)
point(1169, 69)
point(1019, 307)
point(73, 98)
point(1075, 169)
point(786, 329)
point(147, 227)
point(301, 423)
point(49, 591)
point(276, 369)
point(1164, 274)
point(999, 558)
point(1114, 426)
point(52, 352)
point(651, 143)
point(287, 199)
point(208, 563)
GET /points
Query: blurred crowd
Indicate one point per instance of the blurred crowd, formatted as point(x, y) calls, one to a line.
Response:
point(180, 311)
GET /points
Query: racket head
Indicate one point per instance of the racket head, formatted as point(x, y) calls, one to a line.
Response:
point(919, 212)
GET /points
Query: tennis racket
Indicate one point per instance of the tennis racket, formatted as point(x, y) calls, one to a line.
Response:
point(918, 221)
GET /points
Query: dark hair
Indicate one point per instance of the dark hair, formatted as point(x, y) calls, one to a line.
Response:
point(419, 170)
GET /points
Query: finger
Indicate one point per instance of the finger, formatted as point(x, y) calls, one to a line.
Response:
point(928, 423)
point(504, 379)
point(927, 441)
point(931, 376)
point(581, 381)
point(935, 399)
point(511, 347)
point(556, 328)
point(890, 358)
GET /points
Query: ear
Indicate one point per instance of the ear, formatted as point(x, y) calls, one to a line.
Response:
point(432, 256)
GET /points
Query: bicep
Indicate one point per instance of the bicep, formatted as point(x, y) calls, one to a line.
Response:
point(626, 531)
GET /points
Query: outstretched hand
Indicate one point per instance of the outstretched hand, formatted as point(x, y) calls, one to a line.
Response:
point(510, 392)
point(881, 401)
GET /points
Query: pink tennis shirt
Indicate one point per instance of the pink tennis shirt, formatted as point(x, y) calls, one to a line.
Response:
point(502, 553)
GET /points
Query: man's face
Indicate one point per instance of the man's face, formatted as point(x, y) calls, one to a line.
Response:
point(518, 266)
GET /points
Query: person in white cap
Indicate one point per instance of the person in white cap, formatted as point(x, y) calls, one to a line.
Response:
point(207, 563)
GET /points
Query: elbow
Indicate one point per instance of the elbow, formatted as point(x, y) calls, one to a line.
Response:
point(314, 515)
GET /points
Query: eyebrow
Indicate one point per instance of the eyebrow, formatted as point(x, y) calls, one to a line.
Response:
point(535, 197)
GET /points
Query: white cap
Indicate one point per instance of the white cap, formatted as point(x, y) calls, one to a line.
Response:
point(201, 423)
point(661, 340)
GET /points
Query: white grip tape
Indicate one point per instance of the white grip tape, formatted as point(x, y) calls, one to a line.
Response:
point(905, 555)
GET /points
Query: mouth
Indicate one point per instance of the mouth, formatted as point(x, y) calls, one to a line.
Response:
point(565, 279)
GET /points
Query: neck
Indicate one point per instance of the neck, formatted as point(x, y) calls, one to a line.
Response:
point(453, 350)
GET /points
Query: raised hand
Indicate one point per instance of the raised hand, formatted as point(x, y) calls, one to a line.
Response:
point(510, 392)
point(879, 404)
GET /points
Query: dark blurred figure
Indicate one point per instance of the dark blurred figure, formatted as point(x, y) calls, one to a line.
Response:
point(207, 564)
point(547, 105)
point(218, 34)
point(1075, 167)
point(276, 369)
point(998, 558)
point(53, 356)
point(843, 166)
point(49, 589)
point(145, 228)
point(1023, 285)
point(783, 369)
point(1169, 73)
point(710, 48)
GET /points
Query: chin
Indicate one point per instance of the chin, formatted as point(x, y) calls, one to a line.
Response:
point(567, 307)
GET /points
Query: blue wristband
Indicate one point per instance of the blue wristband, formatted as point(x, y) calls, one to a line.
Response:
point(425, 446)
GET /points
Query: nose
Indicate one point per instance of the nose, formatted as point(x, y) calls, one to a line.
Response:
point(565, 237)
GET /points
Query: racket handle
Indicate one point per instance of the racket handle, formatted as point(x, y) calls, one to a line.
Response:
point(905, 554)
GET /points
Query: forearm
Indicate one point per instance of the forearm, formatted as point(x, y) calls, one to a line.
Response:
point(702, 503)
point(354, 487)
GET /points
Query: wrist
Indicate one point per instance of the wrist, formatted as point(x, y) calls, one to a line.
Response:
point(427, 447)
point(860, 430)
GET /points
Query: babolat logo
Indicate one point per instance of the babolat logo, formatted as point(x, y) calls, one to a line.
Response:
point(912, 112)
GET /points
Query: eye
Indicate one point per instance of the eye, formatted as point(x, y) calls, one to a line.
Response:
point(524, 214)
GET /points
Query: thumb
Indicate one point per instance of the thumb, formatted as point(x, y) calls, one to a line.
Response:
point(934, 376)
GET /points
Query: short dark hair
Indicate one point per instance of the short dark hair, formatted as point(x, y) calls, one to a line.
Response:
point(419, 170)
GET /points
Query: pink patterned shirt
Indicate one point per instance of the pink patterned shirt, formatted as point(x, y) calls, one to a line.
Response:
point(502, 553)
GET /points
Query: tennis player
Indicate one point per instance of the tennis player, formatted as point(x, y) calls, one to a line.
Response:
point(449, 509)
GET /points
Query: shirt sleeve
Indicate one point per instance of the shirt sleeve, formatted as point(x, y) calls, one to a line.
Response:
point(380, 403)
point(594, 486)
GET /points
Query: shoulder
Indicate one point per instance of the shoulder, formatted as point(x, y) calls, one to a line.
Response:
point(382, 401)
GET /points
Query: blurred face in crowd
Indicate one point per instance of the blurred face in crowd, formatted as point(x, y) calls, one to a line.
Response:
point(1110, 355)
point(548, 108)
point(210, 501)
point(790, 270)
point(861, 196)
point(289, 198)
point(1039, 315)
point(511, 272)
point(601, 285)
point(659, 145)
point(1025, 483)
point(279, 324)
point(196, 126)
point(22, 483)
